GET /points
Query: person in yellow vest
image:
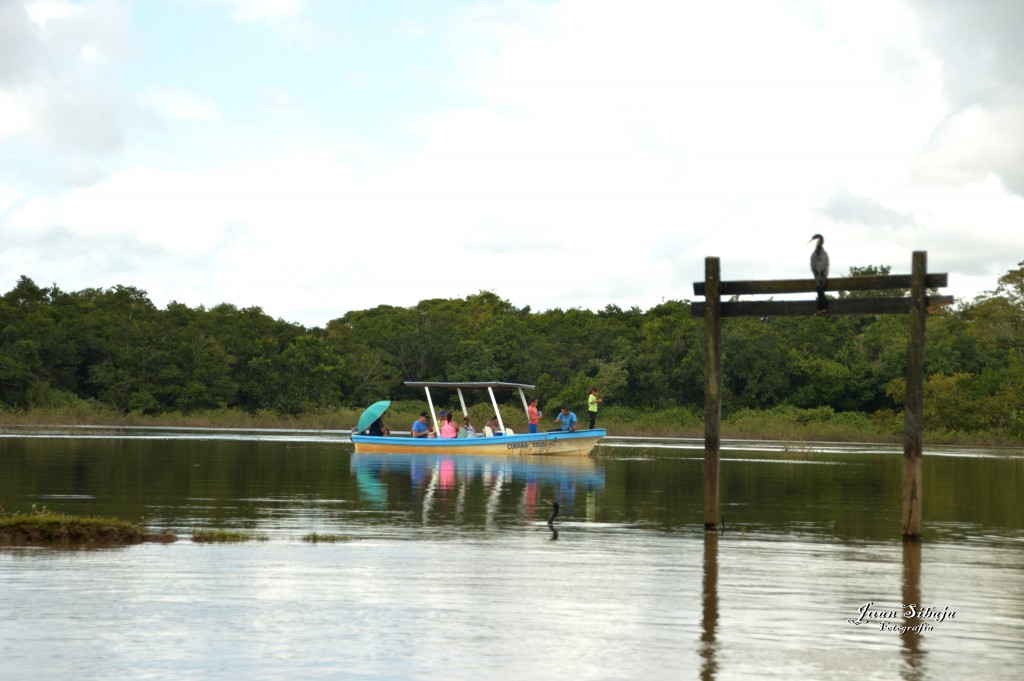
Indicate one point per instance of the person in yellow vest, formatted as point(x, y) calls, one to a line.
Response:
point(592, 401)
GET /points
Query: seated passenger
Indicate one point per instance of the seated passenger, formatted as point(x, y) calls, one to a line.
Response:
point(448, 428)
point(419, 426)
point(468, 427)
point(377, 428)
point(495, 426)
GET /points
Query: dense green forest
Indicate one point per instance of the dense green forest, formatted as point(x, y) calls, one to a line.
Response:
point(113, 347)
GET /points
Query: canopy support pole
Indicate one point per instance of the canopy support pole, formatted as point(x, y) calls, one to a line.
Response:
point(433, 414)
point(497, 412)
point(526, 407)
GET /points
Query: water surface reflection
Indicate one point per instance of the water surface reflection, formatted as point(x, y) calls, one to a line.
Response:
point(441, 486)
point(709, 614)
point(913, 655)
point(449, 568)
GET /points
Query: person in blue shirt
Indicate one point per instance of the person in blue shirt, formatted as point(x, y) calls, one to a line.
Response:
point(419, 426)
point(566, 420)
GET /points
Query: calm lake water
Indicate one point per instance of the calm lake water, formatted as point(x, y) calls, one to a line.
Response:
point(449, 570)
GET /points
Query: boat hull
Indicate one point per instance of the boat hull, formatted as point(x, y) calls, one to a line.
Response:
point(555, 443)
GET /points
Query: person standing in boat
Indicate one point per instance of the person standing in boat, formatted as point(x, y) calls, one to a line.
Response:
point(566, 420)
point(533, 415)
point(592, 402)
point(448, 429)
point(419, 426)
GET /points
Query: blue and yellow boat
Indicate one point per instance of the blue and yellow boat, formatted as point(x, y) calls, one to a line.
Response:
point(557, 442)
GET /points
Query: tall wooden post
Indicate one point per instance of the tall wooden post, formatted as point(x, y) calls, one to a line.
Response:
point(913, 658)
point(709, 620)
point(712, 390)
point(913, 418)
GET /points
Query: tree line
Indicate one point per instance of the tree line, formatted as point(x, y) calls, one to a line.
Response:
point(115, 347)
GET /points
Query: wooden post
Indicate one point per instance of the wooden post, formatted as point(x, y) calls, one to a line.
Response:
point(712, 390)
point(913, 658)
point(913, 418)
point(709, 618)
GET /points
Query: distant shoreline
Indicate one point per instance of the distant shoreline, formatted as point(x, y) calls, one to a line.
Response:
point(783, 423)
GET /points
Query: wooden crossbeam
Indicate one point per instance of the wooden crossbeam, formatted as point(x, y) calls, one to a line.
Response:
point(880, 282)
point(808, 308)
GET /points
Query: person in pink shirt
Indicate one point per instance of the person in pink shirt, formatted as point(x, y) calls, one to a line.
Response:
point(448, 429)
point(533, 415)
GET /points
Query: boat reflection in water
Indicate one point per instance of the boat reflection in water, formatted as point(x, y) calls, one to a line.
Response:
point(477, 490)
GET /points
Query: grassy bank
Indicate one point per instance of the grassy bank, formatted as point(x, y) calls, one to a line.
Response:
point(780, 423)
point(225, 537)
point(92, 413)
point(49, 527)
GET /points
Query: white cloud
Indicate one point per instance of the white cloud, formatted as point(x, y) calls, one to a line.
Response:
point(981, 52)
point(8, 197)
point(55, 97)
point(15, 119)
point(726, 119)
point(266, 11)
point(43, 11)
point(597, 153)
point(412, 29)
point(20, 48)
point(289, 18)
point(181, 105)
point(276, 99)
point(88, 37)
point(977, 141)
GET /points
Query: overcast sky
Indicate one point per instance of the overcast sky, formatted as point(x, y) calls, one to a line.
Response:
point(315, 157)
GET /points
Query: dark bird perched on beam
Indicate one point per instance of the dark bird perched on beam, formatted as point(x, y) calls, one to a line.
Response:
point(819, 268)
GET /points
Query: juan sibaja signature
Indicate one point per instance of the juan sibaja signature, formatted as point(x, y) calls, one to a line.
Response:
point(924, 615)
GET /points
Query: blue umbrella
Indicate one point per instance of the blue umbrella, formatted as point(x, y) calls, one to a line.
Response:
point(371, 414)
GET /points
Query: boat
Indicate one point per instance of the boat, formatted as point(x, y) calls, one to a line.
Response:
point(557, 442)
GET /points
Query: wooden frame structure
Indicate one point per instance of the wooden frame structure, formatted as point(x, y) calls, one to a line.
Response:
point(917, 306)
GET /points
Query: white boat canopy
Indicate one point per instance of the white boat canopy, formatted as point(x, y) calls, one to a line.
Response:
point(489, 386)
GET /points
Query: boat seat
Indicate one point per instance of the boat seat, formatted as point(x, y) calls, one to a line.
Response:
point(508, 431)
point(488, 432)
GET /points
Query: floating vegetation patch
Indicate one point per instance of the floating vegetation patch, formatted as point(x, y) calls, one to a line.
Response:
point(42, 526)
point(225, 537)
point(316, 538)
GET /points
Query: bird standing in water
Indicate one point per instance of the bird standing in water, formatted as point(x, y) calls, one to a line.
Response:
point(551, 520)
point(819, 268)
point(554, 510)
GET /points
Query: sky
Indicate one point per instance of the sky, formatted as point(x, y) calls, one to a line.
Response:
point(313, 157)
